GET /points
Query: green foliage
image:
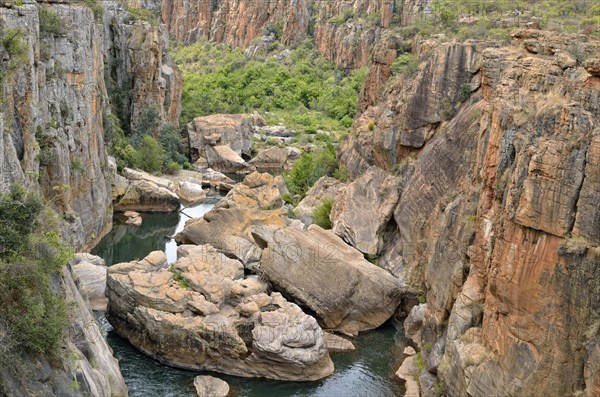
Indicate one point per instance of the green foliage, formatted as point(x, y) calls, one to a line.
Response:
point(464, 92)
point(374, 259)
point(420, 362)
point(321, 214)
point(95, 7)
point(30, 252)
point(421, 298)
point(50, 22)
point(13, 42)
point(150, 155)
point(446, 109)
point(303, 91)
point(287, 198)
point(341, 173)
point(172, 142)
point(139, 14)
point(343, 17)
point(177, 276)
point(405, 64)
point(141, 149)
point(309, 168)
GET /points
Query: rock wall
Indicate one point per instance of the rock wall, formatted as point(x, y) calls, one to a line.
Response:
point(56, 103)
point(88, 369)
point(345, 32)
point(495, 222)
point(235, 22)
point(58, 90)
point(53, 117)
point(141, 74)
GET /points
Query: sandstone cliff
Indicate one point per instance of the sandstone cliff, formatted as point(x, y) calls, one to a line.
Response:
point(56, 98)
point(497, 220)
point(345, 32)
point(236, 22)
point(56, 102)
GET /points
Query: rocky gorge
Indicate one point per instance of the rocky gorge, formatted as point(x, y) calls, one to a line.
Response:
point(464, 206)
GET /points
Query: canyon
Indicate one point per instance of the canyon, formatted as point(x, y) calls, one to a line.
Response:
point(471, 209)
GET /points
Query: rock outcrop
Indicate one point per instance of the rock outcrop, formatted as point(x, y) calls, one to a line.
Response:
point(412, 107)
point(90, 274)
point(317, 269)
point(326, 188)
point(141, 78)
point(90, 364)
point(236, 22)
point(222, 141)
point(362, 211)
point(495, 221)
point(58, 100)
point(272, 158)
point(203, 314)
point(254, 202)
point(145, 196)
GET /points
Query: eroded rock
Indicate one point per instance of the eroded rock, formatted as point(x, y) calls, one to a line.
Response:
point(202, 314)
point(318, 270)
point(325, 188)
point(362, 210)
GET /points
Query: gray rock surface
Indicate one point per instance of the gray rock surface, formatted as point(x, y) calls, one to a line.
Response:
point(318, 270)
point(203, 314)
point(363, 209)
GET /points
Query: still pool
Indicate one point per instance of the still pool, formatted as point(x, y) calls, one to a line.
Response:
point(368, 371)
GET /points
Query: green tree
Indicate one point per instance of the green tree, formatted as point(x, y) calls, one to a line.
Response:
point(150, 155)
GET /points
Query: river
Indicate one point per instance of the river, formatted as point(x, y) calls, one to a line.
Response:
point(367, 371)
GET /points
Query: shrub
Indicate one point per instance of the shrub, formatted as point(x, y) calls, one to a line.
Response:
point(405, 64)
point(95, 7)
point(464, 92)
point(13, 43)
point(150, 155)
point(309, 168)
point(321, 214)
point(50, 22)
point(30, 252)
point(306, 94)
point(172, 143)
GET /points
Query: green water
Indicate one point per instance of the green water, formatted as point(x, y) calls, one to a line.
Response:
point(367, 372)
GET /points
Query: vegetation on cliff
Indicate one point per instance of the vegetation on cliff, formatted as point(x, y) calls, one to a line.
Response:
point(32, 315)
point(297, 87)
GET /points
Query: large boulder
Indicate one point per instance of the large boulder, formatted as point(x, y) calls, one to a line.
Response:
point(190, 192)
point(318, 270)
point(325, 188)
point(362, 211)
point(255, 201)
point(270, 158)
point(223, 140)
point(90, 274)
point(224, 158)
point(203, 314)
point(145, 196)
point(209, 386)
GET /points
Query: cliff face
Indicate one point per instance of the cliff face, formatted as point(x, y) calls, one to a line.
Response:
point(235, 22)
point(497, 221)
point(54, 104)
point(141, 75)
point(345, 32)
point(56, 101)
